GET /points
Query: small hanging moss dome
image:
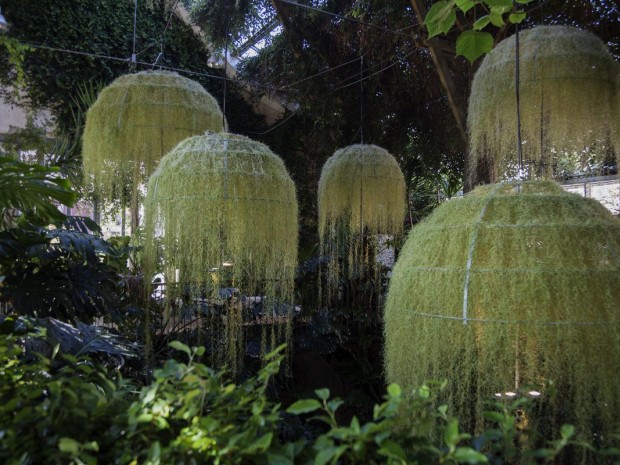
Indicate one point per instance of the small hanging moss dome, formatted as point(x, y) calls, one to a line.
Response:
point(569, 100)
point(361, 193)
point(512, 285)
point(226, 209)
point(135, 121)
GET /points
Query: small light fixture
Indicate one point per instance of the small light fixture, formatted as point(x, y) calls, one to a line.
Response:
point(510, 394)
point(534, 393)
point(498, 394)
point(227, 264)
point(3, 24)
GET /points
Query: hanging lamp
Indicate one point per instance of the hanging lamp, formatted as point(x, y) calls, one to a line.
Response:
point(361, 195)
point(134, 122)
point(225, 209)
point(514, 286)
point(569, 99)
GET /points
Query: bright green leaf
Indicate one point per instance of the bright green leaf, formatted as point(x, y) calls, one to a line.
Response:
point(304, 406)
point(451, 433)
point(517, 17)
point(322, 394)
point(440, 18)
point(482, 22)
point(469, 455)
point(567, 431)
point(496, 18)
point(69, 446)
point(465, 5)
point(178, 345)
point(473, 44)
point(394, 390)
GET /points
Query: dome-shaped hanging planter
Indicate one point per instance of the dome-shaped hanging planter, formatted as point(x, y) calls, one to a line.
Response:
point(226, 210)
point(569, 87)
point(135, 121)
point(361, 194)
point(512, 285)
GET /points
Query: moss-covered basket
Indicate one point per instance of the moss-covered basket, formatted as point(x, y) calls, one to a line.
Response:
point(361, 194)
point(569, 101)
point(512, 287)
point(135, 121)
point(226, 210)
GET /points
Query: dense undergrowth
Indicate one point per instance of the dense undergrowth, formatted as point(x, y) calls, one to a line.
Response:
point(71, 409)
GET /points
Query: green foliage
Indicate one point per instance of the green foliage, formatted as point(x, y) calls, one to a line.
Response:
point(58, 273)
point(30, 189)
point(191, 412)
point(16, 56)
point(230, 22)
point(60, 410)
point(135, 121)
point(361, 194)
point(473, 43)
point(569, 101)
point(227, 211)
point(57, 411)
point(512, 284)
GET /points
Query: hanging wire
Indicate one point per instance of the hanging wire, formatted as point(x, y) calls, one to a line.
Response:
point(361, 97)
point(517, 96)
point(395, 62)
point(135, 24)
point(346, 18)
point(225, 71)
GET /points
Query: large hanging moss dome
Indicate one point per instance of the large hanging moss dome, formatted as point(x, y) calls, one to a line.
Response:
point(512, 287)
point(569, 101)
point(361, 193)
point(135, 121)
point(226, 210)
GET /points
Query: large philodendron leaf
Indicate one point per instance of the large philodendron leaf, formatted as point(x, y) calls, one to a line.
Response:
point(32, 188)
point(58, 273)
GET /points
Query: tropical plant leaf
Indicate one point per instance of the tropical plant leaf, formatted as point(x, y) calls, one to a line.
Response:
point(473, 44)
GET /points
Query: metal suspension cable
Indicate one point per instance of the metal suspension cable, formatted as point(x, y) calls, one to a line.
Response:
point(346, 18)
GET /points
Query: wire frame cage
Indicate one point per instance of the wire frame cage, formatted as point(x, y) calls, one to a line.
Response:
point(361, 195)
point(515, 286)
point(135, 121)
point(221, 213)
point(569, 92)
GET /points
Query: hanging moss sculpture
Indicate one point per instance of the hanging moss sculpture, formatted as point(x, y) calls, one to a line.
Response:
point(569, 102)
point(512, 287)
point(135, 121)
point(361, 194)
point(226, 209)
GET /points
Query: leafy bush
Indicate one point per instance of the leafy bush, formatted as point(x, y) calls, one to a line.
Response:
point(72, 411)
